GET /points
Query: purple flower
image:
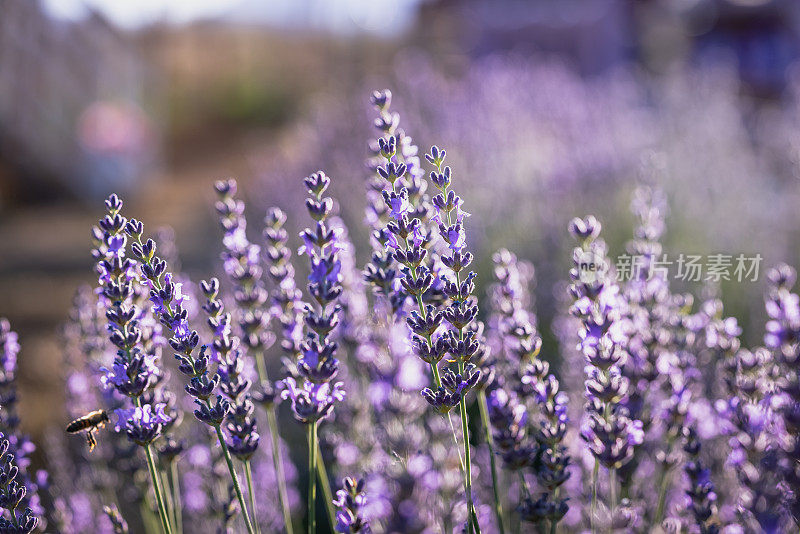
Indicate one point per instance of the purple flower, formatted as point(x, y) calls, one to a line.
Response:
point(9, 348)
point(286, 300)
point(509, 419)
point(242, 262)
point(609, 433)
point(454, 235)
point(240, 422)
point(397, 203)
point(162, 302)
point(349, 502)
point(391, 240)
point(783, 337)
point(454, 387)
point(317, 366)
point(324, 270)
point(14, 447)
point(311, 402)
point(131, 377)
point(701, 493)
point(236, 409)
point(133, 372)
point(142, 424)
point(12, 494)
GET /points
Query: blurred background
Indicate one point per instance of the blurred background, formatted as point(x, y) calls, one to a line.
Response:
point(548, 109)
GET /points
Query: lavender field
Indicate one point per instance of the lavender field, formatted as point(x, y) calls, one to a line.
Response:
point(402, 279)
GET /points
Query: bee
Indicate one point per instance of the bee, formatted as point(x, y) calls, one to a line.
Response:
point(91, 422)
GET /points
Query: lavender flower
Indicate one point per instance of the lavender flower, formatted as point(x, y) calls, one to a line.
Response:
point(20, 445)
point(512, 324)
point(240, 424)
point(286, 296)
point(118, 523)
point(9, 344)
point(509, 418)
point(212, 408)
point(142, 424)
point(608, 431)
point(134, 371)
point(611, 435)
point(241, 261)
point(349, 501)
point(396, 214)
point(388, 373)
point(783, 337)
point(754, 455)
point(168, 306)
point(79, 477)
point(527, 377)
point(553, 460)
point(659, 378)
point(461, 338)
point(242, 264)
point(317, 366)
point(12, 495)
point(702, 499)
point(312, 401)
point(406, 239)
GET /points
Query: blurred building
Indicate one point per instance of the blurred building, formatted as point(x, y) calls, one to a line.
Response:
point(762, 36)
point(71, 94)
point(593, 34)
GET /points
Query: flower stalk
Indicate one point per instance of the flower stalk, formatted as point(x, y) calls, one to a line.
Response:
point(311, 429)
point(487, 428)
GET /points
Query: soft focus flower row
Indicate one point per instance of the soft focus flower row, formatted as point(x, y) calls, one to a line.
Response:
point(426, 404)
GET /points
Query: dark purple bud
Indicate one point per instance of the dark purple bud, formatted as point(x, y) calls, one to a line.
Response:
point(381, 99)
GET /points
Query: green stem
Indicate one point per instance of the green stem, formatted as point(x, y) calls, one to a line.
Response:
point(662, 496)
point(148, 517)
point(237, 488)
point(162, 509)
point(261, 366)
point(248, 473)
point(554, 522)
point(312, 486)
point(498, 508)
point(595, 473)
point(325, 484)
point(438, 381)
point(434, 368)
point(277, 461)
point(163, 478)
point(523, 484)
point(455, 440)
point(473, 525)
point(663, 483)
point(612, 482)
point(175, 490)
point(154, 479)
point(524, 493)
